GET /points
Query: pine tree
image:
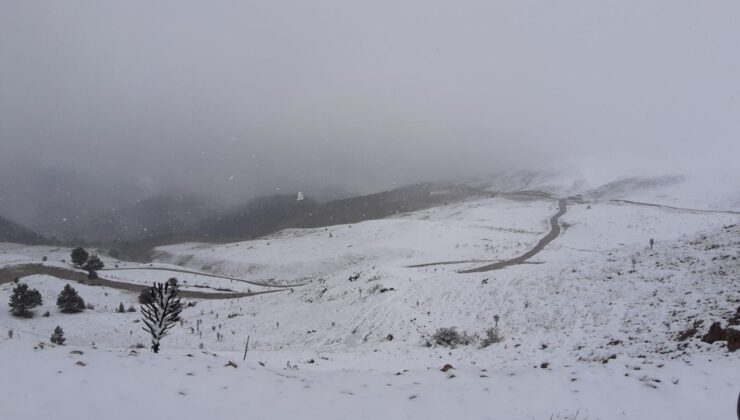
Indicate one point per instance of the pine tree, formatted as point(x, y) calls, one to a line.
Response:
point(92, 266)
point(162, 312)
point(79, 256)
point(145, 297)
point(121, 309)
point(57, 337)
point(69, 301)
point(24, 299)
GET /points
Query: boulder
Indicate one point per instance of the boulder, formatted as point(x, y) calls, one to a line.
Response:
point(716, 333)
point(733, 339)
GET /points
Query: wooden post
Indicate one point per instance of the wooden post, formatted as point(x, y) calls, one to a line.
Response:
point(246, 347)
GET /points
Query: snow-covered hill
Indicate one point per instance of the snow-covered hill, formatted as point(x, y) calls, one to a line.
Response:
point(597, 324)
point(693, 183)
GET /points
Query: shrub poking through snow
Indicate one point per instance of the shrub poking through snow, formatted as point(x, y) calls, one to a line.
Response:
point(493, 336)
point(79, 256)
point(121, 309)
point(162, 312)
point(23, 299)
point(57, 337)
point(92, 266)
point(449, 337)
point(69, 301)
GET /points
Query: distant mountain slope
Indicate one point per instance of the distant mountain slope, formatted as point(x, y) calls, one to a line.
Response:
point(13, 232)
point(160, 216)
point(272, 213)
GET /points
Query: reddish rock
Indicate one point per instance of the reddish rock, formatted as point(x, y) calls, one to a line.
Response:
point(446, 367)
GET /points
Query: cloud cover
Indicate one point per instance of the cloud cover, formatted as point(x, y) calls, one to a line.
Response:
point(235, 98)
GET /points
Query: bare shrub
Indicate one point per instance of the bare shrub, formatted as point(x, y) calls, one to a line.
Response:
point(450, 337)
point(492, 336)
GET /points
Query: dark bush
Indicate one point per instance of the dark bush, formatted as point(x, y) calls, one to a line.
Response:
point(92, 266)
point(57, 337)
point(23, 299)
point(145, 297)
point(79, 256)
point(69, 301)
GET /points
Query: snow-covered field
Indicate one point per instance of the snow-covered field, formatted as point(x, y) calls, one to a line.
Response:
point(589, 325)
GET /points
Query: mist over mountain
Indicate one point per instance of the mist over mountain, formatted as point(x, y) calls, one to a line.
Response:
point(102, 105)
point(13, 232)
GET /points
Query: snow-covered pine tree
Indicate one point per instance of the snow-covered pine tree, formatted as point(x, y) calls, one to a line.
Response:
point(57, 337)
point(79, 256)
point(92, 266)
point(24, 299)
point(162, 312)
point(69, 301)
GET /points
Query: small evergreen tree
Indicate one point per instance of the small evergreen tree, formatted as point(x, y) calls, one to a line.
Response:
point(145, 297)
point(92, 266)
point(121, 309)
point(23, 299)
point(162, 313)
point(57, 337)
point(69, 301)
point(79, 256)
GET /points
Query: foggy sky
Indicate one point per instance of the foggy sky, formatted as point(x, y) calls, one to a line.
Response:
point(237, 98)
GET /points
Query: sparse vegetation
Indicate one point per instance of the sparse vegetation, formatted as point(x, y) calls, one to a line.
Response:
point(492, 336)
point(449, 337)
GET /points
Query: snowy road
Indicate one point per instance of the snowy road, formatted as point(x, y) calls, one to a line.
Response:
point(8, 274)
point(551, 236)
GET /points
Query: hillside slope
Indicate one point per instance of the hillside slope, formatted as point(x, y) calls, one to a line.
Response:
point(13, 232)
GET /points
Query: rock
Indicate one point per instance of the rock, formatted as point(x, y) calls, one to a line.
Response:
point(607, 359)
point(733, 339)
point(716, 333)
point(231, 364)
point(544, 365)
point(81, 363)
point(446, 367)
point(75, 352)
point(734, 319)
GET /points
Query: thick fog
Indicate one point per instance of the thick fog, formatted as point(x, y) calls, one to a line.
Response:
point(109, 102)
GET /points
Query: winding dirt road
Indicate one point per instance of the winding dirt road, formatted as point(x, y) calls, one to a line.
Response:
point(198, 273)
point(551, 236)
point(8, 274)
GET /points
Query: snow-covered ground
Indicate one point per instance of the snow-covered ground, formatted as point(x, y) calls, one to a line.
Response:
point(589, 325)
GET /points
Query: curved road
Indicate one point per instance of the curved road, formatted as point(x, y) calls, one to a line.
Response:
point(180, 270)
point(663, 206)
point(551, 236)
point(8, 274)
